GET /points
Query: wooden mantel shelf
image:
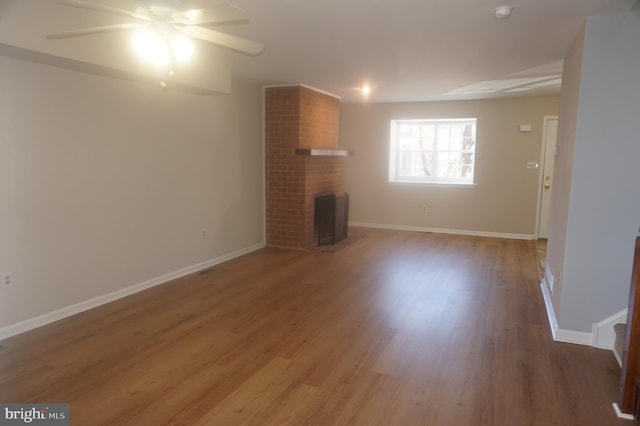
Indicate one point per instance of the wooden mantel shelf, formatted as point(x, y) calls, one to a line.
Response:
point(324, 152)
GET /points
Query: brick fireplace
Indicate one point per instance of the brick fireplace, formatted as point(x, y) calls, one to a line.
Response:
point(302, 161)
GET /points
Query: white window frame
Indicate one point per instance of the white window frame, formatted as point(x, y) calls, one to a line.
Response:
point(395, 152)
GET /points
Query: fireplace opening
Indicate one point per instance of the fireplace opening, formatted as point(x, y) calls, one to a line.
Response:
point(331, 218)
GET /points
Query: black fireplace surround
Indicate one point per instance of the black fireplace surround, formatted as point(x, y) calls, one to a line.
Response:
point(331, 218)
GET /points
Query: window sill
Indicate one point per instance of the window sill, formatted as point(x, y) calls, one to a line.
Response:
point(434, 184)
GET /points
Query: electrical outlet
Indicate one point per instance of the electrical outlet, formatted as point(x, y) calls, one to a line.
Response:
point(425, 208)
point(204, 233)
point(6, 280)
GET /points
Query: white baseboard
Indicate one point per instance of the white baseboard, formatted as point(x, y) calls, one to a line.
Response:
point(444, 231)
point(617, 356)
point(560, 335)
point(602, 334)
point(604, 337)
point(44, 319)
point(575, 337)
point(548, 275)
point(551, 314)
point(620, 414)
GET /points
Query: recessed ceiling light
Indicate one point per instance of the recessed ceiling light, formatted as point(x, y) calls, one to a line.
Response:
point(365, 89)
point(503, 12)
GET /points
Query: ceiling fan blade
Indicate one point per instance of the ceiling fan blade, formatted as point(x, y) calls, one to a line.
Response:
point(222, 39)
point(104, 8)
point(221, 14)
point(93, 30)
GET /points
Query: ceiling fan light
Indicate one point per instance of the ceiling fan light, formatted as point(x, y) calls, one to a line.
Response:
point(503, 12)
point(182, 48)
point(150, 47)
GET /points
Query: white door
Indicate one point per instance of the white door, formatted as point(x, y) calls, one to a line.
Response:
point(550, 130)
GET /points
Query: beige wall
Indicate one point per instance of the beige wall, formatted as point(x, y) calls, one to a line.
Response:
point(505, 199)
point(105, 184)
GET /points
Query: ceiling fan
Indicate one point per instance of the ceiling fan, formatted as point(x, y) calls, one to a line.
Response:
point(165, 17)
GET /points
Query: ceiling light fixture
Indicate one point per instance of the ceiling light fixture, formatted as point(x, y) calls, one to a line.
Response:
point(160, 48)
point(503, 12)
point(182, 47)
point(366, 90)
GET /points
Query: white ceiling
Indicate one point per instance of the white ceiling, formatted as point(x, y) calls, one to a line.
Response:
point(406, 50)
point(413, 49)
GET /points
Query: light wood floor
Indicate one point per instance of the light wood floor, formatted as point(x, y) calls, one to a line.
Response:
point(396, 328)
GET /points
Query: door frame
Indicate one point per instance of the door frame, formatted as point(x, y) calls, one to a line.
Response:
point(543, 147)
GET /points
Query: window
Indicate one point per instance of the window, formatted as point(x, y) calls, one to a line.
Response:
point(432, 151)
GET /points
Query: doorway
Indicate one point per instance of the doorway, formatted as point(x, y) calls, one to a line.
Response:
point(548, 154)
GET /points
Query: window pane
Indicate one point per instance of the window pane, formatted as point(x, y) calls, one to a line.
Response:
point(457, 134)
point(443, 158)
point(453, 168)
point(405, 164)
point(427, 163)
point(438, 151)
point(443, 137)
point(428, 136)
point(405, 131)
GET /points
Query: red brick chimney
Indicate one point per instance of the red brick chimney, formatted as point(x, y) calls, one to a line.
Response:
point(302, 160)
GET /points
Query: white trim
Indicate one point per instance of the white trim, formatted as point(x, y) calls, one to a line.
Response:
point(443, 231)
point(306, 86)
point(44, 319)
point(604, 337)
point(548, 275)
point(575, 337)
point(545, 124)
point(396, 151)
point(551, 314)
point(617, 356)
point(560, 335)
point(599, 336)
point(620, 414)
point(442, 185)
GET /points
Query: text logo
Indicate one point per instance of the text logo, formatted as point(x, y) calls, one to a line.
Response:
point(34, 414)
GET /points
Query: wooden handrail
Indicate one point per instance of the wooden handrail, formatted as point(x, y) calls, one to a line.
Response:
point(631, 354)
